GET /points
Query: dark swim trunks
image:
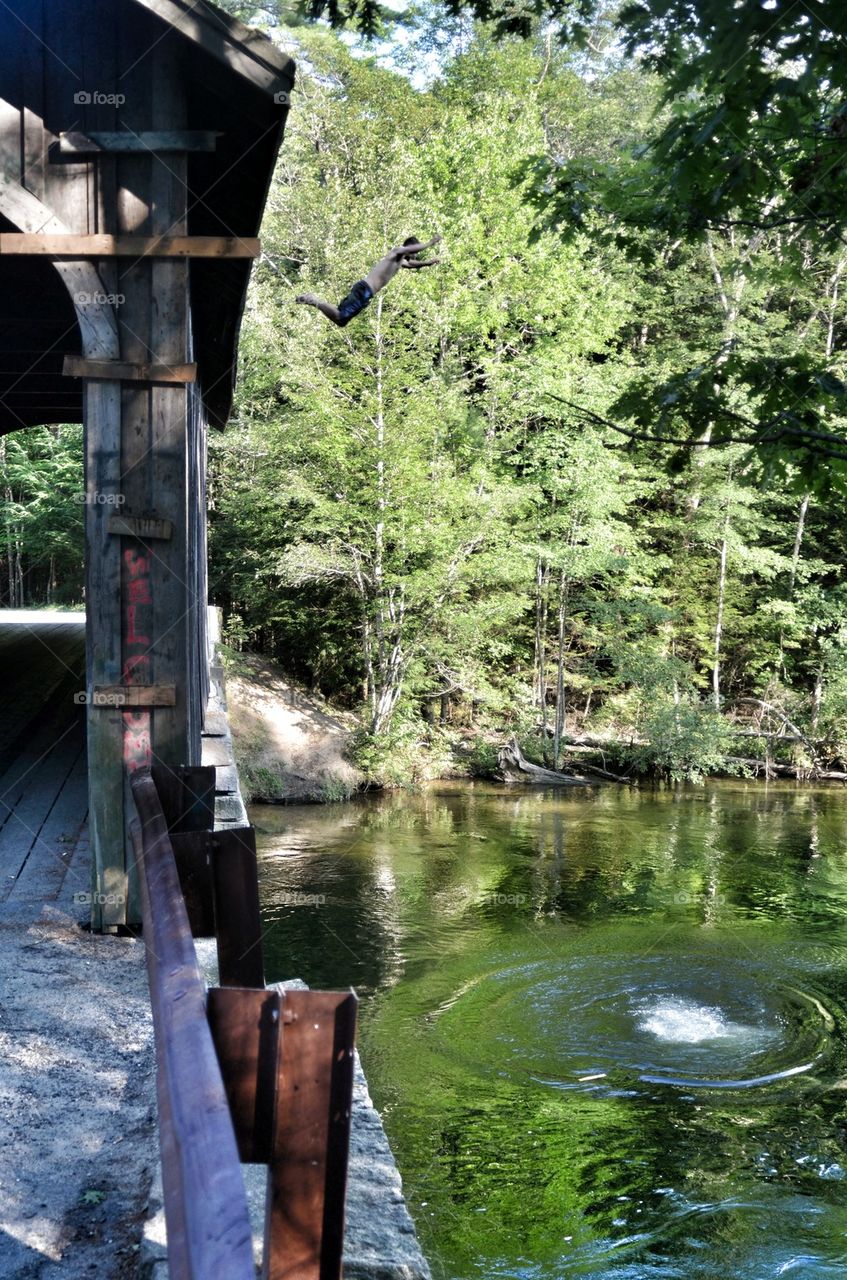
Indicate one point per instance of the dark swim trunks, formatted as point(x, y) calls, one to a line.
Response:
point(357, 299)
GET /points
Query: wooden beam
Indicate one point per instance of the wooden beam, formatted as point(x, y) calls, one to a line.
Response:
point(161, 141)
point(103, 653)
point(127, 246)
point(287, 1065)
point(193, 851)
point(307, 1177)
point(187, 795)
point(245, 1028)
point(134, 695)
point(143, 527)
point(238, 923)
point(244, 50)
point(125, 371)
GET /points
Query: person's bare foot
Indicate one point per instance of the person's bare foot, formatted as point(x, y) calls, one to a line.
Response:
point(308, 298)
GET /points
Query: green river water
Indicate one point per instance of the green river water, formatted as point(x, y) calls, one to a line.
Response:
point(607, 1029)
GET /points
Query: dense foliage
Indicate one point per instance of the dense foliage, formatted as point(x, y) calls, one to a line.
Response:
point(41, 540)
point(588, 473)
point(457, 507)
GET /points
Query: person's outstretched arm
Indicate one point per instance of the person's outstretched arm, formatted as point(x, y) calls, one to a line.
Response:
point(415, 266)
point(403, 250)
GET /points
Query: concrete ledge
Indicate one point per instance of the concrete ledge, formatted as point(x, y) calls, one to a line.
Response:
point(216, 739)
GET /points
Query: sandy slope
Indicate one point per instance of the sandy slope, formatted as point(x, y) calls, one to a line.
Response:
point(289, 745)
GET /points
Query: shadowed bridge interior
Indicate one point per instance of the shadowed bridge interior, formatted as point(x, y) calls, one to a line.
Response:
point(43, 778)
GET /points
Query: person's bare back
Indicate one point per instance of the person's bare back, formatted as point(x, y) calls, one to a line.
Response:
point(399, 259)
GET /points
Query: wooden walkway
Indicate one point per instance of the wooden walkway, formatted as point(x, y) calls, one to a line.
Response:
point(43, 781)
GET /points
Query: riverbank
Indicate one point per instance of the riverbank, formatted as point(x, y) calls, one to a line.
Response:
point(292, 746)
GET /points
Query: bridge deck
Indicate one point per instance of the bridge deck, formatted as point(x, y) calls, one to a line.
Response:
point(43, 784)
point(77, 1098)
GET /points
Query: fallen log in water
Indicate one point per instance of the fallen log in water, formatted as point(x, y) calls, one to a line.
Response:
point(603, 773)
point(514, 767)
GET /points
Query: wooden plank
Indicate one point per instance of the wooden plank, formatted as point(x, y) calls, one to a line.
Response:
point(187, 795)
point(198, 798)
point(128, 246)
point(308, 1173)
point(245, 1027)
point(134, 695)
point(160, 141)
point(193, 854)
point(103, 653)
point(240, 48)
point(24, 807)
point(238, 923)
point(123, 371)
point(146, 528)
point(179, 1262)
point(41, 877)
point(204, 1189)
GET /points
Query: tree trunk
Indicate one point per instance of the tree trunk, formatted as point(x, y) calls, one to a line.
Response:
point(817, 697)
point(542, 572)
point(716, 669)
point(792, 577)
point(731, 303)
point(514, 767)
point(798, 542)
point(560, 670)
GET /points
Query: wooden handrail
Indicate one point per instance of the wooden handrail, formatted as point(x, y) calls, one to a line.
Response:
point(209, 1234)
point(244, 1072)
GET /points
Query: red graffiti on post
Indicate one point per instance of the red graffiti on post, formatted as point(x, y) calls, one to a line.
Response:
point(138, 752)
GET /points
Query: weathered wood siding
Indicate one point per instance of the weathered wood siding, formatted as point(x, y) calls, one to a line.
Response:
point(132, 68)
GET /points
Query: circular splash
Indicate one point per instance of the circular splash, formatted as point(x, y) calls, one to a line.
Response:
point(684, 1022)
point(618, 1024)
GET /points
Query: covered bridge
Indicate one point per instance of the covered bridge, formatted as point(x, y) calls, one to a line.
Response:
point(138, 139)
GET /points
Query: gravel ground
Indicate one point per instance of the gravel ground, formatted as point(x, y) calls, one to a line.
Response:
point(77, 1098)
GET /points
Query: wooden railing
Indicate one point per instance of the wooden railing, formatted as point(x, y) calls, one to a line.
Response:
point(244, 1073)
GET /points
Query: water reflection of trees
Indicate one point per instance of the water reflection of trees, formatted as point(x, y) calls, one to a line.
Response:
point(443, 863)
point(427, 892)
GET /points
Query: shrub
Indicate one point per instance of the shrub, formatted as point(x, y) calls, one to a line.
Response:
point(685, 742)
point(407, 754)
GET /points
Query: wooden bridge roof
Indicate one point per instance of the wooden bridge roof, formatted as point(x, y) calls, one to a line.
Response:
point(62, 69)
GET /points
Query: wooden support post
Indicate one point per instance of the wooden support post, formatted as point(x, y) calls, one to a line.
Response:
point(188, 796)
point(193, 855)
point(238, 923)
point(110, 891)
point(287, 1066)
point(245, 1029)
point(304, 1224)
